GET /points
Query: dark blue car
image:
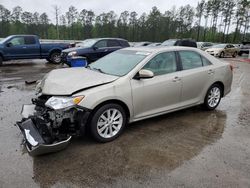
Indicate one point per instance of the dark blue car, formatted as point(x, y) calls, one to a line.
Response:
point(93, 49)
point(29, 47)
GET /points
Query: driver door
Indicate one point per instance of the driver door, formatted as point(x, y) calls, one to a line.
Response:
point(160, 93)
point(15, 48)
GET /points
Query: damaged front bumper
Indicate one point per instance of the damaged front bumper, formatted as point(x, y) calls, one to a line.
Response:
point(47, 131)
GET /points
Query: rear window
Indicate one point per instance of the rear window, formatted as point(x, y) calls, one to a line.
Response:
point(124, 43)
point(30, 40)
point(113, 43)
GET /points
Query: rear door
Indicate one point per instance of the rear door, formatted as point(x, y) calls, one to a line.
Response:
point(100, 49)
point(113, 45)
point(32, 47)
point(160, 93)
point(196, 76)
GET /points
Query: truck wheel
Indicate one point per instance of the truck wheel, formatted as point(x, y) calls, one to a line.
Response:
point(55, 57)
point(1, 60)
point(108, 122)
point(234, 54)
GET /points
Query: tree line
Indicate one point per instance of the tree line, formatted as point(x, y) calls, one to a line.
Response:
point(210, 20)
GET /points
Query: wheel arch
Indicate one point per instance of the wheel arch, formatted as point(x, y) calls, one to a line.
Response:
point(113, 101)
point(54, 50)
point(221, 85)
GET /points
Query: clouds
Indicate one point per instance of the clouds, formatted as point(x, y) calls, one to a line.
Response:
point(98, 6)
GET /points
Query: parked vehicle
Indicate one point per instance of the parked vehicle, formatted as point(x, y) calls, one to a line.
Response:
point(93, 49)
point(138, 44)
point(223, 50)
point(244, 49)
point(29, 47)
point(155, 44)
point(180, 42)
point(125, 86)
point(204, 45)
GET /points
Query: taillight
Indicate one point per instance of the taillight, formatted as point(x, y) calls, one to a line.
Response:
point(231, 67)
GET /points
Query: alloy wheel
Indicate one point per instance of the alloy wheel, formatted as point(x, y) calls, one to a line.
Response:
point(109, 123)
point(214, 97)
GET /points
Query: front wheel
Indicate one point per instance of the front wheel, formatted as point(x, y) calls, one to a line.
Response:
point(55, 57)
point(213, 97)
point(222, 55)
point(108, 122)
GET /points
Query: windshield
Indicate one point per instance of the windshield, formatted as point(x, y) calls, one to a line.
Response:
point(87, 43)
point(5, 39)
point(219, 46)
point(119, 63)
point(168, 43)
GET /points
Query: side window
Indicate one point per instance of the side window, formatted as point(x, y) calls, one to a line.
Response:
point(29, 40)
point(101, 44)
point(17, 41)
point(124, 43)
point(190, 60)
point(162, 63)
point(205, 61)
point(113, 43)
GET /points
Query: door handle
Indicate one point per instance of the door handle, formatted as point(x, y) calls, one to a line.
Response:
point(24, 47)
point(106, 50)
point(176, 79)
point(210, 71)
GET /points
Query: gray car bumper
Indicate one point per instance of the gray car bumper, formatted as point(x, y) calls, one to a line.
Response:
point(39, 141)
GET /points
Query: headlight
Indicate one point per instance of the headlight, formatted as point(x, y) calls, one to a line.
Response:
point(74, 53)
point(58, 103)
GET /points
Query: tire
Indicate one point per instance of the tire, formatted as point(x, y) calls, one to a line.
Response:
point(240, 54)
point(1, 60)
point(213, 97)
point(234, 54)
point(106, 130)
point(222, 55)
point(55, 57)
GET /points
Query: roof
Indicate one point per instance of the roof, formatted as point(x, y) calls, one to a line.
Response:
point(160, 48)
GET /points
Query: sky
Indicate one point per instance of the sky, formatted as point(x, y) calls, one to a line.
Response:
point(98, 6)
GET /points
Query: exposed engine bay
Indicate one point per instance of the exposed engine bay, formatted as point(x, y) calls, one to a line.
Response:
point(47, 130)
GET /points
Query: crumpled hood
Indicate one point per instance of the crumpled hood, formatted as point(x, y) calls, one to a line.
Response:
point(69, 80)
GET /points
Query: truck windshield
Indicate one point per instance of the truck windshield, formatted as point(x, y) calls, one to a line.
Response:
point(5, 39)
point(119, 63)
point(87, 43)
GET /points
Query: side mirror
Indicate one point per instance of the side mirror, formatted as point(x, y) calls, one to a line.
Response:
point(95, 47)
point(145, 74)
point(9, 44)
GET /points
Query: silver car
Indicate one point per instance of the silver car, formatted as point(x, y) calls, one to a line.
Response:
point(128, 85)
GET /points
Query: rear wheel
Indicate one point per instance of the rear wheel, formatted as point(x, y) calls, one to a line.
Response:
point(234, 54)
point(108, 122)
point(55, 57)
point(213, 97)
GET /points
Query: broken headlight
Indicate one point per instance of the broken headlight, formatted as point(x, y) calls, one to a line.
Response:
point(58, 103)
